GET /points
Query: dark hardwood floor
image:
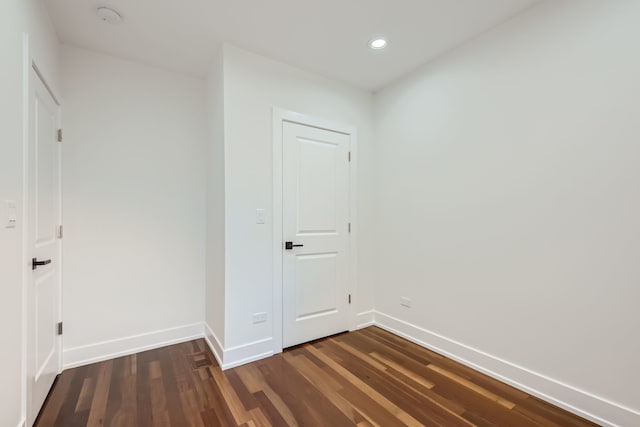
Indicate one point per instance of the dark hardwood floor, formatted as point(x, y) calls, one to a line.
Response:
point(364, 378)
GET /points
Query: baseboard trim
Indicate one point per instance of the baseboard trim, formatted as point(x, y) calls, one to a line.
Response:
point(580, 402)
point(247, 353)
point(105, 350)
point(214, 343)
point(238, 355)
point(365, 319)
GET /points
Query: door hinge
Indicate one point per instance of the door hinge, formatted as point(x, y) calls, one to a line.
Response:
point(349, 298)
point(59, 328)
point(60, 232)
point(349, 155)
point(59, 135)
point(349, 227)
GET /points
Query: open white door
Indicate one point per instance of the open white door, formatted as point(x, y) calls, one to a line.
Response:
point(43, 245)
point(315, 216)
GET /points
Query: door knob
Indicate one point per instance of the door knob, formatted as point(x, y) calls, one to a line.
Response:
point(290, 245)
point(35, 263)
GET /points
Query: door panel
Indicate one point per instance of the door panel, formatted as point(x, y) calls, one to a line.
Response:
point(317, 186)
point(44, 157)
point(316, 285)
point(316, 216)
point(43, 209)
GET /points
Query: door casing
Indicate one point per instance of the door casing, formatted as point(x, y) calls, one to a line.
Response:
point(279, 116)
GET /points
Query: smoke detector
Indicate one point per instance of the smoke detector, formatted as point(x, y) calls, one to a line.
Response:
point(109, 15)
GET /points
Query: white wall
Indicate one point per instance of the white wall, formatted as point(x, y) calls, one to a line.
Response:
point(16, 17)
point(134, 205)
point(215, 274)
point(508, 183)
point(10, 189)
point(253, 85)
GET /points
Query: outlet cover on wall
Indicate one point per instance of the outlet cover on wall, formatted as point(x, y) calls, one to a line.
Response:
point(259, 317)
point(405, 302)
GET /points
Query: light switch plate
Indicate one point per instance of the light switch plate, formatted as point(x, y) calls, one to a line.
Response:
point(260, 216)
point(11, 208)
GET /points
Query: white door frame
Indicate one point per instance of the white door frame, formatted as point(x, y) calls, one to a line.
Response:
point(30, 70)
point(279, 116)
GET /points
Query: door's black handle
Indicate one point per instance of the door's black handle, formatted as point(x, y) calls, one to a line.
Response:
point(290, 245)
point(35, 263)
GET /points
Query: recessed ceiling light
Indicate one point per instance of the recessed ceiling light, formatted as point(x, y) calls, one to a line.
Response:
point(378, 43)
point(109, 15)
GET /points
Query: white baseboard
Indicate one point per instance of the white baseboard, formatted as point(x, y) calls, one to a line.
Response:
point(92, 353)
point(580, 402)
point(235, 356)
point(364, 319)
point(214, 344)
point(246, 353)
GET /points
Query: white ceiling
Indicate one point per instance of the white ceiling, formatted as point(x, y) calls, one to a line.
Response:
point(329, 37)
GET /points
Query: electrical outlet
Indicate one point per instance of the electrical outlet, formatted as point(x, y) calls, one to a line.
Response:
point(405, 302)
point(259, 317)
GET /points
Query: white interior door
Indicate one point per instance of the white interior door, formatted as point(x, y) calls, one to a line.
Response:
point(315, 220)
point(43, 246)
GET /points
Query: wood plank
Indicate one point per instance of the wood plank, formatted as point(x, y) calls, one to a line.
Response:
point(364, 378)
point(289, 384)
point(254, 380)
point(375, 395)
point(99, 401)
point(468, 384)
point(86, 395)
point(407, 372)
point(325, 384)
point(231, 398)
point(425, 411)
